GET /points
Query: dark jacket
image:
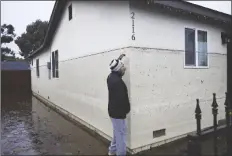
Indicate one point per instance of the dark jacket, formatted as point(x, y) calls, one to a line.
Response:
point(119, 105)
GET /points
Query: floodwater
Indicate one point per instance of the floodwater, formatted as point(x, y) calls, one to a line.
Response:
point(31, 128)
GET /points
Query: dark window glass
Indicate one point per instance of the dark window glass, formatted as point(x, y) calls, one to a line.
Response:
point(202, 48)
point(37, 67)
point(56, 64)
point(53, 65)
point(190, 55)
point(70, 12)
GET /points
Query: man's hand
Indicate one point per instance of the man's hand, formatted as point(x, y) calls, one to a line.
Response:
point(121, 56)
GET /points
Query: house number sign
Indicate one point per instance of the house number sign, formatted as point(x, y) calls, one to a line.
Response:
point(133, 26)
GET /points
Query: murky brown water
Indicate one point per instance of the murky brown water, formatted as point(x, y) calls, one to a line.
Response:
point(30, 128)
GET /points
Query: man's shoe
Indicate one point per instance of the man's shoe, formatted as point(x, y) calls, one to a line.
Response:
point(109, 153)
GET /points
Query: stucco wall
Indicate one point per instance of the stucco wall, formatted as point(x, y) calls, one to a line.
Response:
point(41, 85)
point(163, 92)
point(81, 87)
point(95, 27)
point(83, 91)
point(161, 30)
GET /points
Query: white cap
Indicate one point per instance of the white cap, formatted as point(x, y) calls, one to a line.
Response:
point(116, 65)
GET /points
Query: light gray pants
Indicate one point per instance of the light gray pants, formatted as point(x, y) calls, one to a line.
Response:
point(118, 144)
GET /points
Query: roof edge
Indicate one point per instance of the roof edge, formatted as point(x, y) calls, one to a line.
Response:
point(45, 42)
point(60, 5)
point(209, 9)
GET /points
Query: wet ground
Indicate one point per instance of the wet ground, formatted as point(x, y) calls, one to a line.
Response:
point(31, 128)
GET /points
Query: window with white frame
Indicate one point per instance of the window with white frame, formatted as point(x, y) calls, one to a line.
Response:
point(196, 48)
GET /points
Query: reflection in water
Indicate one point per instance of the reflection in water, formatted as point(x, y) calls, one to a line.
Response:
point(29, 127)
point(16, 124)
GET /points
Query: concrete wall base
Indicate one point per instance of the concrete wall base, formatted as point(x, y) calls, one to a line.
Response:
point(74, 119)
point(96, 132)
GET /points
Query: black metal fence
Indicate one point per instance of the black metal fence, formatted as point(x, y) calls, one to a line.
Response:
point(194, 140)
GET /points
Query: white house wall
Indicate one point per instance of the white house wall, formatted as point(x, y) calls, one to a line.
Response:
point(163, 93)
point(160, 30)
point(96, 26)
point(42, 84)
point(82, 91)
point(81, 88)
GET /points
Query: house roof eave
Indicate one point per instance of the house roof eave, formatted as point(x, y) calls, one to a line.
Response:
point(181, 4)
point(53, 22)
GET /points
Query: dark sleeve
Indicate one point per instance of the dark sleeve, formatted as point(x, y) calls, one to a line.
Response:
point(127, 102)
point(122, 96)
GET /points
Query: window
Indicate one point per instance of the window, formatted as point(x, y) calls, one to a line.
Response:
point(37, 67)
point(202, 48)
point(70, 12)
point(190, 47)
point(49, 69)
point(55, 64)
point(195, 57)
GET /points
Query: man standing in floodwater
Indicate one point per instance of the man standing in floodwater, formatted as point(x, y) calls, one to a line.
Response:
point(118, 106)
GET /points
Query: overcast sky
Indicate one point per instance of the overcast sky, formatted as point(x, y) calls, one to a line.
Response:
point(21, 13)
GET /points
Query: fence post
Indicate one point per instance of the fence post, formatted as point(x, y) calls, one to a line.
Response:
point(227, 110)
point(194, 146)
point(214, 111)
point(198, 117)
